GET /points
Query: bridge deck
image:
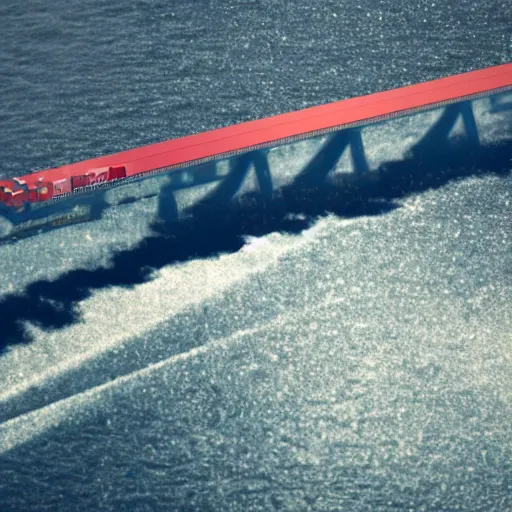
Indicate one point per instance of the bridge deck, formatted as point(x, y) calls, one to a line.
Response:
point(291, 126)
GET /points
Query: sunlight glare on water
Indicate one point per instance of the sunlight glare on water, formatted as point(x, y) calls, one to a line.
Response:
point(352, 364)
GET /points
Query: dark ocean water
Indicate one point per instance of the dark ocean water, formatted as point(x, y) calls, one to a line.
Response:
point(358, 364)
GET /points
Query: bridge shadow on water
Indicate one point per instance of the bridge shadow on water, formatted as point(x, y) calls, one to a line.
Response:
point(212, 230)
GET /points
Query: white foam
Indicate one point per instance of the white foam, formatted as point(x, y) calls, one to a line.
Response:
point(112, 316)
point(24, 428)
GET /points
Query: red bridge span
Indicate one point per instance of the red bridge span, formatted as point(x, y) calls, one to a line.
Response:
point(24, 199)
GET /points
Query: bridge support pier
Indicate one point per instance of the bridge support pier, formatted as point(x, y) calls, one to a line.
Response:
point(325, 160)
point(238, 169)
point(437, 136)
point(167, 205)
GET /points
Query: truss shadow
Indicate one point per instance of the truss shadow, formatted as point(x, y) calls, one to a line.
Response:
point(212, 229)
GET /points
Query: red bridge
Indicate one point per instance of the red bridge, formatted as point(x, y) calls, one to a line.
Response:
point(245, 144)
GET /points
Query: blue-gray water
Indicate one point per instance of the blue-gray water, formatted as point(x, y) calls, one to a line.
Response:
point(363, 364)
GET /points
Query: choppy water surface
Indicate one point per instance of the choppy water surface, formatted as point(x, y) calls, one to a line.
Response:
point(356, 364)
